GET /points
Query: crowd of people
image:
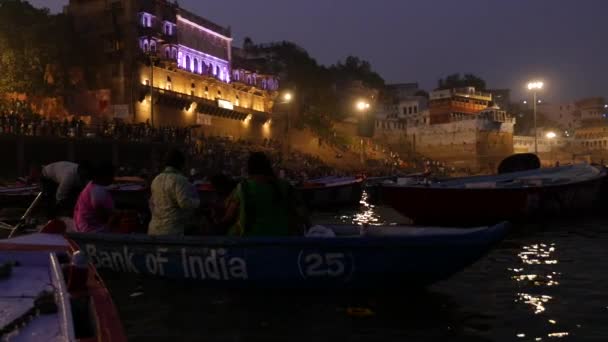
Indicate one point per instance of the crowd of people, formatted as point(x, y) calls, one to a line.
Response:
point(18, 118)
point(229, 156)
point(142, 132)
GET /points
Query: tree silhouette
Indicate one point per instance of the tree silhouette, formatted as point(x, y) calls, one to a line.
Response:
point(457, 81)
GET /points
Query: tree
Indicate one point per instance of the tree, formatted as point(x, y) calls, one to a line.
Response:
point(355, 68)
point(30, 40)
point(457, 81)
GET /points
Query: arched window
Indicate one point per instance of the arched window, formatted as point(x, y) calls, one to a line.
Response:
point(215, 70)
point(144, 20)
point(167, 52)
point(152, 46)
point(264, 84)
point(145, 46)
point(195, 65)
point(174, 53)
point(188, 66)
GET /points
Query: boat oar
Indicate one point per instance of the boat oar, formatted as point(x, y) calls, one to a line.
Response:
point(26, 215)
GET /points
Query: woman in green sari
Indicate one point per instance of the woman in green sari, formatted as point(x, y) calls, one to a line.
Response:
point(263, 205)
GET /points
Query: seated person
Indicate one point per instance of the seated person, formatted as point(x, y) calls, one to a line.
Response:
point(95, 207)
point(173, 199)
point(223, 186)
point(263, 205)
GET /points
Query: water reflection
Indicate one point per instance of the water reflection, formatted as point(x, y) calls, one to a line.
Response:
point(536, 274)
point(558, 334)
point(536, 301)
point(367, 214)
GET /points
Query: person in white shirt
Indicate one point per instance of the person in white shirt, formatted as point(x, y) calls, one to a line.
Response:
point(62, 182)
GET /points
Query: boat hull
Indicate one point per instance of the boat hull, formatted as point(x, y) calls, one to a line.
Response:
point(332, 196)
point(471, 207)
point(87, 314)
point(341, 262)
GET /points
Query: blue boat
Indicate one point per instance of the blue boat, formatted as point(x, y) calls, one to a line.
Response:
point(375, 257)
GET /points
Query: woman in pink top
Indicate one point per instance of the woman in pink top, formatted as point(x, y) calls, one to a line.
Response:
point(95, 206)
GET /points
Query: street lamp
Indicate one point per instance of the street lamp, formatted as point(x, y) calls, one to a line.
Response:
point(152, 58)
point(551, 136)
point(362, 105)
point(535, 86)
point(287, 97)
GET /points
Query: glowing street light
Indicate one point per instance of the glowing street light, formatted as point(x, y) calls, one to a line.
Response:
point(551, 135)
point(287, 97)
point(362, 105)
point(535, 86)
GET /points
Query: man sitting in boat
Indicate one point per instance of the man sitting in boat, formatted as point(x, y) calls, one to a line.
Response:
point(62, 182)
point(173, 199)
point(94, 208)
point(263, 205)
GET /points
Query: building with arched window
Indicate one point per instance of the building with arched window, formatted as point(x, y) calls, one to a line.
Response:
point(179, 68)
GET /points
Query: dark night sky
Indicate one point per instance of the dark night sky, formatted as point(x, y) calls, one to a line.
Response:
point(563, 42)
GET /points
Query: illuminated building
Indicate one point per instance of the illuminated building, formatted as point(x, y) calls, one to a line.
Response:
point(169, 66)
point(455, 104)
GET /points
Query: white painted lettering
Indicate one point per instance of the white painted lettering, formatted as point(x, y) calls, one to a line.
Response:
point(238, 268)
point(151, 264)
point(161, 260)
point(211, 266)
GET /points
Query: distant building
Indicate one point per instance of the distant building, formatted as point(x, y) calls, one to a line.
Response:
point(454, 104)
point(566, 115)
point(167, 65)
point(572, 116)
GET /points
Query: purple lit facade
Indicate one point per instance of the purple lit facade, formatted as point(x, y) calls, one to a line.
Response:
point(195, 44)
point(164, 64)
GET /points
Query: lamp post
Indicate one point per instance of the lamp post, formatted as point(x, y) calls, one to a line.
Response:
point(287, 99)
point(551, 136)
point(152, 58)
point(535, 87)
point(362, 107)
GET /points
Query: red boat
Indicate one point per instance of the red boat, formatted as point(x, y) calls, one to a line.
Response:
point(517, 196)
point(49, 293)
point(332, 192)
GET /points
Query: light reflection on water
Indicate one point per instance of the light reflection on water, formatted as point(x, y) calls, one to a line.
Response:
point(536, 273)
point(366, 214)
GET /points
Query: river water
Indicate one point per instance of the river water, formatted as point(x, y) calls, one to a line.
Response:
point(545, 282)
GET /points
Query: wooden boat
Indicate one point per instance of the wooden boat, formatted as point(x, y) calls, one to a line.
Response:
point(382, 257)
point(373, 185)
point(18, 196)
point(39, 304)
point(514, 196)
point(332, 192)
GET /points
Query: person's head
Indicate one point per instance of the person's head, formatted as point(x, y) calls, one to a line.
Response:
point(176, 159)
point(259, 165)
point(85, 171)
point(104, 174)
